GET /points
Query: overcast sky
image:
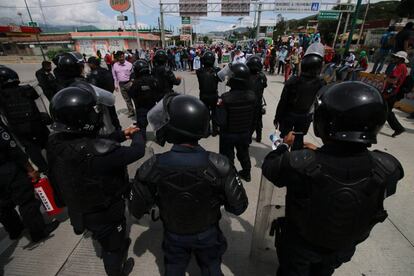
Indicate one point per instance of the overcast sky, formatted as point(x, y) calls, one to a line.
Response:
point(98, 13)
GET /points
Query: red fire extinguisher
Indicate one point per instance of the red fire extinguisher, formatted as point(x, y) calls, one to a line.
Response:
point(45, 193)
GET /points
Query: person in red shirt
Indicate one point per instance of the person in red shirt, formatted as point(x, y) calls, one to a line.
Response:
point(108, 61)
point(392, 87)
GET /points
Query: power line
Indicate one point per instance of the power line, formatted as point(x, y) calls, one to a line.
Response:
point(52, 6)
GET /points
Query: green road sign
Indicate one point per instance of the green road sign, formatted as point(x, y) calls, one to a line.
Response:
point(186, 20)
point(328, 15)
point(32, 24)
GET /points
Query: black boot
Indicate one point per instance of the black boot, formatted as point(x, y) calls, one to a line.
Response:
point(245, 175)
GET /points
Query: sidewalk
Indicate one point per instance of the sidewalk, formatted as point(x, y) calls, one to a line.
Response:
point(388, 251)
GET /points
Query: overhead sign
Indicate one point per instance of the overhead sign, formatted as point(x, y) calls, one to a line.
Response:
point(32, 24)
point(193, 8)
point(120, 5)
point(185, 20)
point(269, 30)
point(328, 15)
point(297, 6)
point(235, 7)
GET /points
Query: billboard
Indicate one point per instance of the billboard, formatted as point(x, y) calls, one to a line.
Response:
point(120, 5)
point(193, 8)
point(235, 7)
point(297, 6)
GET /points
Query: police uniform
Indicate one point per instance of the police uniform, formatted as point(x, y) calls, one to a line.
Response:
point(294, 110)
point(103, 78)
point(321, 230)
point(144, 94)
point(258, 82)
point(335, 193)
point(25, 121)
point(16, 189)
point(208, 85)
point(166, 80)
point(47, 82)
point(189, 185)
point(90, 171)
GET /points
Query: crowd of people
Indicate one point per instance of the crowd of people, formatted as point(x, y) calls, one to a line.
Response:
point(332, 204)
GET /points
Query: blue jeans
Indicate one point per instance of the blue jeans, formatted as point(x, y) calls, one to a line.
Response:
point(208, 248)
point(178, 65)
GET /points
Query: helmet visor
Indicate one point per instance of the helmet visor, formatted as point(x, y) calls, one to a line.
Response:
point(316, 49)
point(225, 73)
point(158, 116)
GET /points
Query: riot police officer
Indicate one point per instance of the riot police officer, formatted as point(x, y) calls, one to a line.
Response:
point(103, 78)
point(90, 170)
point(70, 68)
point(335, 193)
point(16, 189)
point(208, 85)
point(235, 116)
point(294, 111)
point(258, 82)
point(189, 185)
point(143, 92)
point(24, 119)
point(165, 77)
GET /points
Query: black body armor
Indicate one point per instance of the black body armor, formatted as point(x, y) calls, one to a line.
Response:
point(84, 192)
point(208, 83)
point(239, 107)
point(336, 213)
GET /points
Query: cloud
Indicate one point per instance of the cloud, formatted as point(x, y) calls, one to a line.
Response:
point(76, 14)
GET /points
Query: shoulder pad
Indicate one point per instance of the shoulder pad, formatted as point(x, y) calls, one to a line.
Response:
point(386, 161)
point(145, 170)
point(220, 163)
point(301, 159)
point(103, 146)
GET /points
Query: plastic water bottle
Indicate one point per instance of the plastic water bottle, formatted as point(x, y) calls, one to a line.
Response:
point(276, 139)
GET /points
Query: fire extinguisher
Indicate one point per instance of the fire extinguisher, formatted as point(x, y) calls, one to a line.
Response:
point(45, 193)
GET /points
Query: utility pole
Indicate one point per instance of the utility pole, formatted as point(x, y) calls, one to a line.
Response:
point(354, 18)
point(363, 24)
point(337, 30)
point(259, 15)
point(346, 23)
point(162, 25)
point(136, 25)
point(37, 35)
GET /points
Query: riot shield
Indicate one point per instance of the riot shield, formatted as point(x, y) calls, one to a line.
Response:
point(270, 206)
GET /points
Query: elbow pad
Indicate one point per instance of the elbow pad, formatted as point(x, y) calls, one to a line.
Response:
point(140, 200)
point(236, 198)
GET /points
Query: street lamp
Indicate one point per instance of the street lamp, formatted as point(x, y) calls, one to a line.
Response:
point(37, 35)
point(21, 17)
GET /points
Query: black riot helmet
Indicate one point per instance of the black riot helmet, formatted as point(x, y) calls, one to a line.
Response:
point(8, 77)
point(312, 61)
point(71, 64)
point(141, 67)
point(179, 119)
point(311, 65)
point(208, 59)
point(255, 64)
point(351, 112)
point(160, 57)
point(240, 75)
point(78, 108)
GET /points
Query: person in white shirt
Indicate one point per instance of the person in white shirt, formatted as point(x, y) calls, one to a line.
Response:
point(239, 57)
